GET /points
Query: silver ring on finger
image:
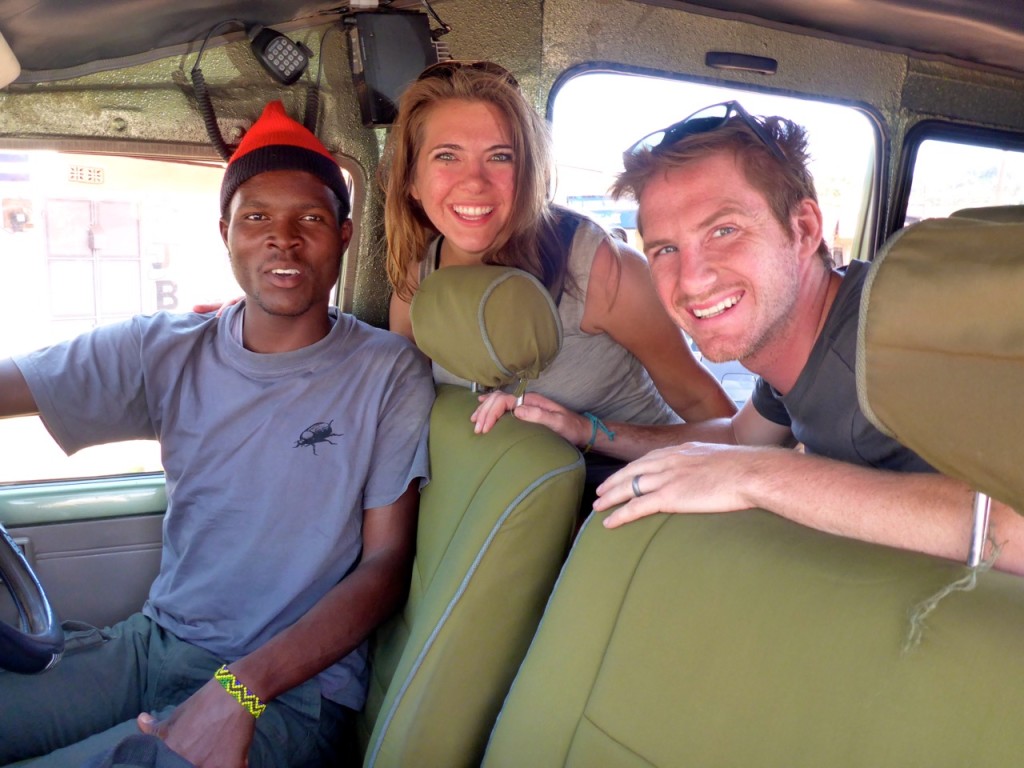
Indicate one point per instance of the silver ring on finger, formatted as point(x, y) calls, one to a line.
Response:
point(636, 486)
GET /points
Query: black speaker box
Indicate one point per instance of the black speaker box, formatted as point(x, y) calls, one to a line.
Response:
point(388, 49)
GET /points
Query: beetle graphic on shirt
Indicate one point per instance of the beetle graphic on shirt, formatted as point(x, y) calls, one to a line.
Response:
point(320, 432)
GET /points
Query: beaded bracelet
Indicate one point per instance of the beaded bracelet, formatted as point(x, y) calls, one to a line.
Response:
point(249, 700)
point(596, 424)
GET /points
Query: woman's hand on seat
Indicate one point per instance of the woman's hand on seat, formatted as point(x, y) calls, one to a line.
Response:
point(534, 408)
point(569, 425)
point(492, 407)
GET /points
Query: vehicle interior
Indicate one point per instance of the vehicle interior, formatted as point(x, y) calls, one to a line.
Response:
point(678, 640)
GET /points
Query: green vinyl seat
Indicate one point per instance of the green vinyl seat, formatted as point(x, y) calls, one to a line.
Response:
point(1008, 214)
point(747, 640)
point(495, 524)
point(744, 639)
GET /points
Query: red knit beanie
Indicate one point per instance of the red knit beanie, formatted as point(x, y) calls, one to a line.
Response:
point(277, 143)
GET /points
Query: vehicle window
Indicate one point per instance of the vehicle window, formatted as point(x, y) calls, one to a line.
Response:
point(88, 239)
point(96, 239)
point(948, 175)
point(736, 380)
point(598, 114)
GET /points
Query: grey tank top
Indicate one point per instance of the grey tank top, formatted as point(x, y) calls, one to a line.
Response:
point(592, 372)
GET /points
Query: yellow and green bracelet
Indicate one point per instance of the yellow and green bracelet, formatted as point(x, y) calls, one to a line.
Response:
point(249, 700)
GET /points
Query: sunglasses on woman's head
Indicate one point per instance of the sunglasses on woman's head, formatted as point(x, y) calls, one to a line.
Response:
point(445, 69)
point(704, 121)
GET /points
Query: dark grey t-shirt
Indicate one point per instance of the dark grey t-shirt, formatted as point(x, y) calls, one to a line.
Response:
point(822, 409)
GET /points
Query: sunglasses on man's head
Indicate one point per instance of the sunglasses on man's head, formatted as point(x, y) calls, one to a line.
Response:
point(703, 121)
point(445, 69)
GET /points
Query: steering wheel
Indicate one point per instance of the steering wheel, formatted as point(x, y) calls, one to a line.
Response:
point(38, 643)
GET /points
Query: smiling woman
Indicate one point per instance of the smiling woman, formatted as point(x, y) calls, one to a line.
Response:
point(464, 178)
point(467, 173)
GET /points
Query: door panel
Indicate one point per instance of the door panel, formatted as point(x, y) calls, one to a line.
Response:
point(95, 545)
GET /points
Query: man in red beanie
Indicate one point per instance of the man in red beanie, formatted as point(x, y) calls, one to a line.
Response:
point(293, 439)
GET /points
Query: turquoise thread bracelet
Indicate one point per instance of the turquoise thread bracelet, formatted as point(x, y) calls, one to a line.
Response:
point(596, 424)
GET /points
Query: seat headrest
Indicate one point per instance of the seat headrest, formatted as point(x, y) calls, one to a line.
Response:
point(1005, 213)
point(940, 353)
point(491, 325)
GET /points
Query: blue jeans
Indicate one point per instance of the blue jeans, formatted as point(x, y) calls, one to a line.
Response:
point(89, 701)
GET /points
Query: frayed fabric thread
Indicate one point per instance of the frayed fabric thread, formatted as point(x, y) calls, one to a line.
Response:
point(965, 583)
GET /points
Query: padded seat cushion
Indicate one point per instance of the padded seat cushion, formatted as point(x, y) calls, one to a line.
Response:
point(495, 524)
point(1006, 213)
point(747, 640)
point(487, 324)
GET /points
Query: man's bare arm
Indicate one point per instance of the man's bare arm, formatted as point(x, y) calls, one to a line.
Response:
point(924, 512)
point(15, 397)
point(346, 615)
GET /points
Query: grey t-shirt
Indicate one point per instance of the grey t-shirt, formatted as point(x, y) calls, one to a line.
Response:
point(270, 461)
point(822, 409)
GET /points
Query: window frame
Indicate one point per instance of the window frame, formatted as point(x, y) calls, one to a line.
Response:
point(185, 154)
point(940, 130)
point(206, 155)
point(871, 229)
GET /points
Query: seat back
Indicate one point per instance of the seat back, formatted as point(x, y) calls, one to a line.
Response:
point(494, 526)
point(941, 349)
point(1008, 214)
point(496, 520)
point(745, 639)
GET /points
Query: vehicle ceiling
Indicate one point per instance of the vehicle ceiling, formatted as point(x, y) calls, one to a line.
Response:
point(56, 39)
